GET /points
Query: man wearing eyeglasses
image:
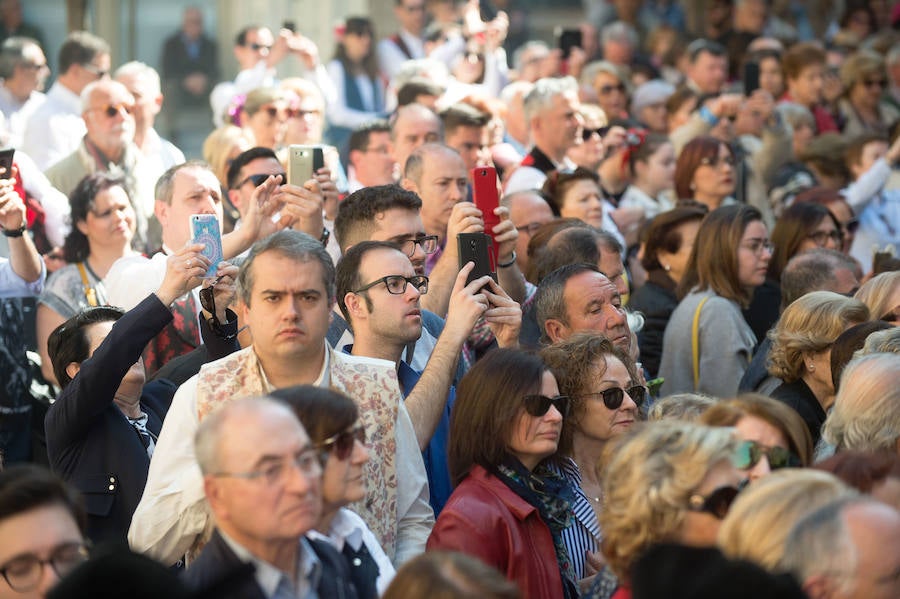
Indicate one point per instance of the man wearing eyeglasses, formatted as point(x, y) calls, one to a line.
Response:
point(23, 68)
point(108, 146)
point(55, 129)
point(263, 481)
point(379, 294)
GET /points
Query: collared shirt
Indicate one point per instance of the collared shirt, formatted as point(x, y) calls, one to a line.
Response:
point(55, 128)
point(270, 578)
point(17, 113)
point(584, 533)
point(348, 528)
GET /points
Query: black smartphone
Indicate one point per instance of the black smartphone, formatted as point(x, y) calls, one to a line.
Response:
point(6, 161)
point(473, 247)
point(488, 10)
point(567, 39)
point(751, 77)
point(290, 26)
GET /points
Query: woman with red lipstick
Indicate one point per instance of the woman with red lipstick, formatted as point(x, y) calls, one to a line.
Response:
point(705, 172)
point(607, 393)
point(509, 508)
point(707, 344)
point(103, 225)
point(332, 421)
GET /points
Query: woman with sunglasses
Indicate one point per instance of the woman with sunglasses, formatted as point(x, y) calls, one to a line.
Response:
point(607, 394)
point(803, 226)
point(103, 225)
point(772, 436)
point(667, 481)
point(801, 352)
point(509, 508)
point(864, 79)
point(707, 344)
point(331, 420)
point(264, 115)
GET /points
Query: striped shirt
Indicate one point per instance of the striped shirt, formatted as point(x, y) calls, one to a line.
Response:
point(584, 533)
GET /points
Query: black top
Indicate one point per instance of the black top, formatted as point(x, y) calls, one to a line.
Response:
point(799, 396)
point(656, 300)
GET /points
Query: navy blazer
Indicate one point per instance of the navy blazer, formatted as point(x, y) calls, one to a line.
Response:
point(217, 562)
point(90, 442)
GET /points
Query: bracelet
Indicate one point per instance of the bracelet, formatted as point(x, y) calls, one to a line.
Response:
point(14, 232)
point(512, 260)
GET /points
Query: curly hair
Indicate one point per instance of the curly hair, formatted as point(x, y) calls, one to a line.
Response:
point(653, 472)
point(576, 362)
point(77, 247)
point(810, 325)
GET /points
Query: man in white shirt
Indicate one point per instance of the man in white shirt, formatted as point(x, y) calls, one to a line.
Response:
point(55, 128)
point(287, 286)
point(23, 68)
point(407, 43)
point(554, 122)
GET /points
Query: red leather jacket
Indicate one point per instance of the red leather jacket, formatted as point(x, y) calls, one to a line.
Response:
point(485, 519)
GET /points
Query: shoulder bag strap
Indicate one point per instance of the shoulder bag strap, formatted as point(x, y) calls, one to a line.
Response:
point(89, 291)
point(695, 342)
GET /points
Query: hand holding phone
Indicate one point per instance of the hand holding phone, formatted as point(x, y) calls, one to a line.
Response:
point(473, 247)
point(487, 199)
point(205, 229)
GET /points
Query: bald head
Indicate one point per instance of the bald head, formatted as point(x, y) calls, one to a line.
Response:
point(107, 109)
point(413, 126)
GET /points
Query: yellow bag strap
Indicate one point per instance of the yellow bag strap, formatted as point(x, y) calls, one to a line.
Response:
point(89, 291)
point(695, 342)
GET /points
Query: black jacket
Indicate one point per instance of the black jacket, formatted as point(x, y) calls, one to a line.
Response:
point(656, 300)
point(90, 442)
point(217, 561)
point(799, 396)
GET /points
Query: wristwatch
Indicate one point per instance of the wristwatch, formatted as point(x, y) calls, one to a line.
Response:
point(15, 232)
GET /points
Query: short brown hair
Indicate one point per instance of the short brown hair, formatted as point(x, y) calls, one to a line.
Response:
point(488, 401)
point(853, 152)
point(777, 414)
point(713, 263)
point(800, 56)
point(449, 575)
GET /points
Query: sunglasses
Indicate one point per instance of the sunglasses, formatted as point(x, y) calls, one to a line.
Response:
point(716, 503)
point(259, 179)
point(112, 110)
point(587, 134)
point(341, 444)
point(851, 225)
point(538, 405)
point(257, 47)
point(749, 453)
point(91, 68)
point(613, 398)
point(875, 83)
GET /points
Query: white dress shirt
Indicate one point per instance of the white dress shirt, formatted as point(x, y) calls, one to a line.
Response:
point(55, 128)
point(17, 113)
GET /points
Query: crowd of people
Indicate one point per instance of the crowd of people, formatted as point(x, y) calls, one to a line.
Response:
point(680, 373)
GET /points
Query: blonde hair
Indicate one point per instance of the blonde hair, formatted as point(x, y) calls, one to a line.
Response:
point(865, 415)
point(217, 149)
point(688, 407)
point(810, 325)
point(653, 471)
point(758, 523)
point(876, 293)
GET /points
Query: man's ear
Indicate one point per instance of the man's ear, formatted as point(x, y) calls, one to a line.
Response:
point(820, 586)
point(213, 495)
point(234, 196)
point(161, 210)
point(72, 369)
point(556, 330)
point(409, 185)
point(355, 306)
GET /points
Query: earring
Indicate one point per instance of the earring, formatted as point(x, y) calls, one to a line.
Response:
point(666, 267)
point(811, 367)
point(693, 187)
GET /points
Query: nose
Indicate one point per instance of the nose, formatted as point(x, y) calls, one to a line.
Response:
point(412, 293)
point(760, 469)
point(418, 255)
point(49, 578)
point(360, 453)
point(553, 415)
point(616, 318)
point(628, 403)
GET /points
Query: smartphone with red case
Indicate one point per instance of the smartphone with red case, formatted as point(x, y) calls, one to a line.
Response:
point(487, 199)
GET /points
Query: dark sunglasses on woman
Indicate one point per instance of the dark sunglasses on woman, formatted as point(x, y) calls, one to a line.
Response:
point(613, 398)
point(749, 453)
point(538, 405)
point(341, 444)
point(716, 503)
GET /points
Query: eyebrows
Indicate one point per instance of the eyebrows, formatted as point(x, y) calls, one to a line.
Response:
point(270, 458)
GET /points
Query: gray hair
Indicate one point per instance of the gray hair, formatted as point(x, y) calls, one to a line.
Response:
point(517, 88)
point(207, 439)
point(545, 90)
point(520, 52)
point(292, 244)
point(796, 114)
point(549, 300)
point(93, 85)
point(819, 543)
point(681, 406)
point(881, 342)
point(619, 32)
point(590, 72)
point(865, 415)
point(812, 270)
point(12, 54)
point(142, 71)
